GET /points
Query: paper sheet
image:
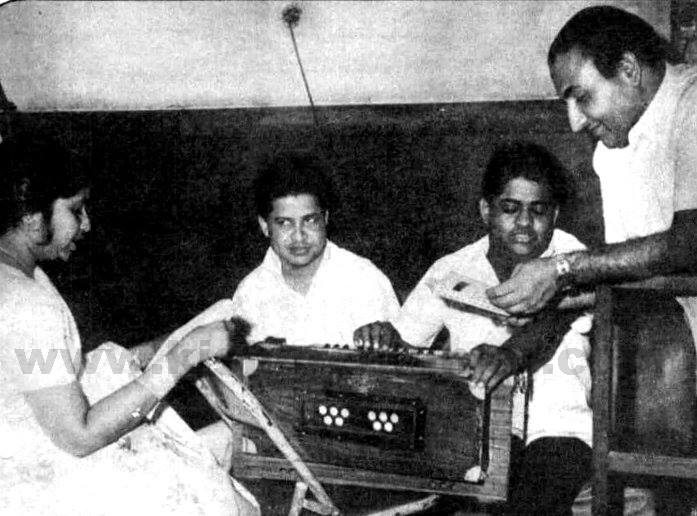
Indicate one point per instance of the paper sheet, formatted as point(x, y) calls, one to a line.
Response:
point(467, 294)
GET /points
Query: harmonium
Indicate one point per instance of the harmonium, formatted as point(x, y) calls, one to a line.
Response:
point(382, 419)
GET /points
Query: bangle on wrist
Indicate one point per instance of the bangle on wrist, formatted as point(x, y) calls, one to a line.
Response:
point(146, 408)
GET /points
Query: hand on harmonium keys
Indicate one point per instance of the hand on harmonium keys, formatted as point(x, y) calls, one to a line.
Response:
point(490, 365)
point(378, 335)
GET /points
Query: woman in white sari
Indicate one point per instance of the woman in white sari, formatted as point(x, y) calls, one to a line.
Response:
point(75, 438)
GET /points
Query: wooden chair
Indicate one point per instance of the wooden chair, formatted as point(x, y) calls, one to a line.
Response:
point(643, 388)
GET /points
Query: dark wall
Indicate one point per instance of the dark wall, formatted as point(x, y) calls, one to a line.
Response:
point(173, 224)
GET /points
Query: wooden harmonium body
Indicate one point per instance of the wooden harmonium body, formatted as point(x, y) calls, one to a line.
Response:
point(394, 420)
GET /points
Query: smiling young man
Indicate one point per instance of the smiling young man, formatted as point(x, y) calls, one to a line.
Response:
point(307, 290)
point(522, 190)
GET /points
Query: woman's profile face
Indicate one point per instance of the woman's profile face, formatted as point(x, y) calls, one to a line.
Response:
point(69, 222)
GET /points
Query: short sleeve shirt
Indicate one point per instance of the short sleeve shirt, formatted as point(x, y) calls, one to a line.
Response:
point(644, 183)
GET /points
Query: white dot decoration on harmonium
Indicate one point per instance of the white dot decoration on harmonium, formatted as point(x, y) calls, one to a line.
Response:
point(333, 415)
point(380, 421)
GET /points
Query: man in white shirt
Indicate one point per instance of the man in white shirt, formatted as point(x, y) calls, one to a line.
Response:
point(307, 290)
point(522, 189)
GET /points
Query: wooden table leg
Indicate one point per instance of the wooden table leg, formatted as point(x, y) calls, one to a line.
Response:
point(601, 396)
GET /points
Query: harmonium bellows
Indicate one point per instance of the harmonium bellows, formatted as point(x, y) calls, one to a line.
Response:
point(394, 420)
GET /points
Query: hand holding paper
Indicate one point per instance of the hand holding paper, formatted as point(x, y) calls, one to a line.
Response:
point(467, 294)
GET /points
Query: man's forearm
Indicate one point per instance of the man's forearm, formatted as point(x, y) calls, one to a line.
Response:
point(668, 252)
point(631, 260)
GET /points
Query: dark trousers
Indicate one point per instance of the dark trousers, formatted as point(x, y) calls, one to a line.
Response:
point(547, 475)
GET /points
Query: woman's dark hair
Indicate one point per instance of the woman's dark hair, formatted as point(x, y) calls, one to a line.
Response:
point(604, 33)
point(33, 174)
point(529, 161)
point(292, 173)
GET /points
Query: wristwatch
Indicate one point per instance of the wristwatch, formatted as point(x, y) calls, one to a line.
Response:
point(564, 276)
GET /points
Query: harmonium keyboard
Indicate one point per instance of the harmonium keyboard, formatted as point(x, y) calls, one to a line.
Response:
point(393, 420)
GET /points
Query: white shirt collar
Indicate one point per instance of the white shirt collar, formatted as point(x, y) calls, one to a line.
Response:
point(654, 115)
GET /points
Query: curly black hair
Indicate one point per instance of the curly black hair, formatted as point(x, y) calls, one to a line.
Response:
point(292, 173)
